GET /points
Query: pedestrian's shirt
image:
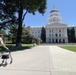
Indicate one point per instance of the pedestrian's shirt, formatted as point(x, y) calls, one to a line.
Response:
point(1, 41)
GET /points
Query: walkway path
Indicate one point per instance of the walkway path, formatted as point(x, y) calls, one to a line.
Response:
point(42, 60)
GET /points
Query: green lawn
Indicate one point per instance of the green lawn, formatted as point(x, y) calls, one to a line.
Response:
point(13, 48)
point(71, 48)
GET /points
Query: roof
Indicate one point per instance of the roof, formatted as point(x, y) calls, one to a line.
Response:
point(54, 10)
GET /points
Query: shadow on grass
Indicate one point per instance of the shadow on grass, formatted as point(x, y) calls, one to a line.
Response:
point(13, 48)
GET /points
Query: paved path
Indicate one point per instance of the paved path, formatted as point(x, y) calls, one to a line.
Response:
point(64, 61)
point(41, 60)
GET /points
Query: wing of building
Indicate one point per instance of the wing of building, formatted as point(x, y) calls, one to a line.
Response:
point(56, 31)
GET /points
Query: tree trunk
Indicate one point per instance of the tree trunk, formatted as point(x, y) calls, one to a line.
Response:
point(19, 32)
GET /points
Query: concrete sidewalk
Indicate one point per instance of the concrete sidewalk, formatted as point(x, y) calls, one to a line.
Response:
point(63, 61)
point(41, 60)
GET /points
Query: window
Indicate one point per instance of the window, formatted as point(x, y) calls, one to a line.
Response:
point(63, 40)
point(49, 40)
point(49, 30)
point(50, 35)
point(59, 35)
point(38, 31)
point(59, 30)
point(52, 40)
point(56, 35)
point(59, 40)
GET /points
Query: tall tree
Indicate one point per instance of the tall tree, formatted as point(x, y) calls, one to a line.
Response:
point(71, 34)
point(18, 7)
point(43, 34)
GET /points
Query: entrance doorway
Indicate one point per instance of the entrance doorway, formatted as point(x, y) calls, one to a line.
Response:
point(63, 40)
point(56, 40)
point(59, 40)
point(52, 40)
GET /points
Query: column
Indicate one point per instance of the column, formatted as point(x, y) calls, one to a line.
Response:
point(47, 35)
point(54, 32)
point(65, 32)
point(51, 32)
point(58, 40)
point(58, 32)
point(47, 32)
point(61, 40)
point(61, 33)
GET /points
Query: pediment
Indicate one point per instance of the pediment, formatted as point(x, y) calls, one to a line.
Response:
point(56, 25)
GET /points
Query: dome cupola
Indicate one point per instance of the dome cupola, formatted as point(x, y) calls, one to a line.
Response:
point(54, 16)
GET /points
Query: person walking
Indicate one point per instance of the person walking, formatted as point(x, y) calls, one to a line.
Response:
point(2, 43)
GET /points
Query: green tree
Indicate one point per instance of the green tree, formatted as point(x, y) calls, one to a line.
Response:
point(2, 32)
point(13, 33)
point(18, 6)
point(26, 37)
point(43, 34)
point(71, 34)
point(7, 17)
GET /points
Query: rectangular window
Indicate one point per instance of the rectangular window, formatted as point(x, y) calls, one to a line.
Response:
point(59, 35)
point(56, 35)
point(59, 30)
point(38, 31)
point(50, 35)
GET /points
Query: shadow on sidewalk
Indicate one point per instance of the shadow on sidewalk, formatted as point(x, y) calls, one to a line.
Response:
point(3, 64)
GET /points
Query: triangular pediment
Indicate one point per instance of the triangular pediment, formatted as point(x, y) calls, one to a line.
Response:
point(58, 25)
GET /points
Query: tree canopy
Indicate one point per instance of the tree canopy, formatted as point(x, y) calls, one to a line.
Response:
point(7, 17)
point(71, 35)
point(43, 34)
point(12, 11)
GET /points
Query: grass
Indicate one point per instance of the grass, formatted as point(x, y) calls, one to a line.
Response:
point(13, 48)
point(71, 48)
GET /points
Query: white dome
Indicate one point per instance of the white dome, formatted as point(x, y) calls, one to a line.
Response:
point(54, 16)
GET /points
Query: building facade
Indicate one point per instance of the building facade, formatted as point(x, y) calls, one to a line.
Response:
point(56, 31)
point(35, 31)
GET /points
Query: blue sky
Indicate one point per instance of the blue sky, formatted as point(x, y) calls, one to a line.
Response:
point(66, 8)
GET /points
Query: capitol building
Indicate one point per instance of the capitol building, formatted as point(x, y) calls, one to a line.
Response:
point(56, 31)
